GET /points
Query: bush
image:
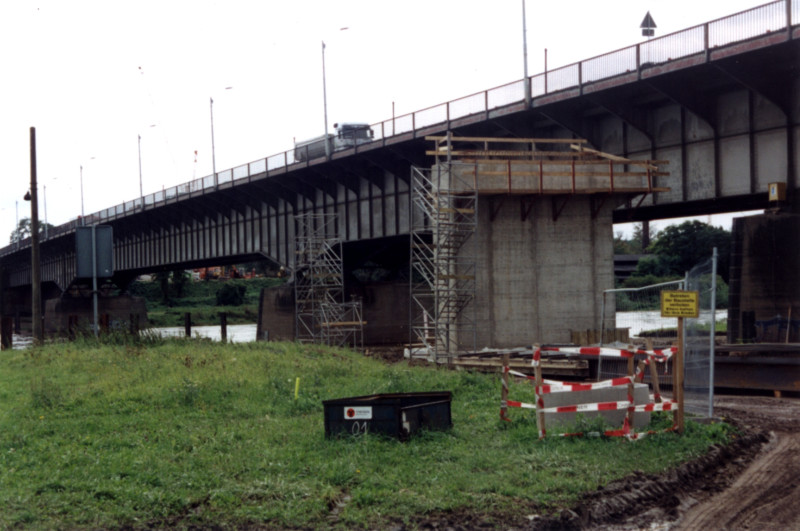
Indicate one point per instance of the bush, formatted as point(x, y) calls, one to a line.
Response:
point(231, 295)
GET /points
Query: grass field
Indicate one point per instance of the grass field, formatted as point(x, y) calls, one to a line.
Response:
point(180, 433)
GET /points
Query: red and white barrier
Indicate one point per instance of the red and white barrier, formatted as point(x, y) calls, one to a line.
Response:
point(551, 386)
point(611, 352)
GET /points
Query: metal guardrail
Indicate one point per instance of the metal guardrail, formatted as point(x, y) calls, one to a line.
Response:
point(777, 16)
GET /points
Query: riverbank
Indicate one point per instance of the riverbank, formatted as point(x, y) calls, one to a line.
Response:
point(157, 433)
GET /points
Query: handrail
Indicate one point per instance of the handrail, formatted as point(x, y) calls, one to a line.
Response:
point(767, 19)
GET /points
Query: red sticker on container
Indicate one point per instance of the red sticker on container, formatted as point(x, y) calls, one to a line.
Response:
point(358, 413)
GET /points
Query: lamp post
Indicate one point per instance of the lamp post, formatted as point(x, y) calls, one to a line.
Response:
point(82, 214)
point(213, 149)
point(325, 105)
point(325, 100)
point(45, 211)
point(83, 221)
point(527, 83)
point(141, 190)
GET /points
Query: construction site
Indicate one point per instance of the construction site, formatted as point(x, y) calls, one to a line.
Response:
point(467, 289)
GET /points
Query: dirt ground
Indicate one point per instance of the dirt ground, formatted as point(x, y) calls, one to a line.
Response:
point(753, 483)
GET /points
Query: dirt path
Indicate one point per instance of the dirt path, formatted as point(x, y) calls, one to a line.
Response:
point(752, 484)
point(766, 495)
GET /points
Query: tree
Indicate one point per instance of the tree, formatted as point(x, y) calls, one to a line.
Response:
point(23, 230)
point(180, 279)
point(623, 246)
point(231, 294)
point(681, 247)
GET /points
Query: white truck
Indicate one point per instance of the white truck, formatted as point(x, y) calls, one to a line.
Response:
point(347, 135)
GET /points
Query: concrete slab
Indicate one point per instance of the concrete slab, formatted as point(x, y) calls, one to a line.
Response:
point(641, 395)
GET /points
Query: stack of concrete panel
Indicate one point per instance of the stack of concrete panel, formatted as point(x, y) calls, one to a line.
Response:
point(641, 395)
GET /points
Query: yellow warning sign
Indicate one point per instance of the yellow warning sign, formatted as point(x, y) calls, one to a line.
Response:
point(680, 304)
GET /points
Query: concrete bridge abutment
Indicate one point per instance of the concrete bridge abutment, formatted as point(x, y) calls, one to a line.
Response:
point(541, 275)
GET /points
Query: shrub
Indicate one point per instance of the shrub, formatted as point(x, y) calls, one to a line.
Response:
point(231, 295)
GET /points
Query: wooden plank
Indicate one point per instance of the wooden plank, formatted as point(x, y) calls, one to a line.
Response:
point(509, 140)
point(532, 155)
point(566, 191)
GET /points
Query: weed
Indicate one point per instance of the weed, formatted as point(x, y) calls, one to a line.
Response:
point(45, 393)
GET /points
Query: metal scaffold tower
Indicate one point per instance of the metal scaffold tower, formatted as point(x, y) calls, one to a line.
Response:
point(443, 218)
point(318, 274)
point(321, 314)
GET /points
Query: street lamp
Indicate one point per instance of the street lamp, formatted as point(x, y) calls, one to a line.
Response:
point(83, 221)
point(325, 100)
point(325, 105)
point(527, 83)
point(213, 150)
point(141, 189)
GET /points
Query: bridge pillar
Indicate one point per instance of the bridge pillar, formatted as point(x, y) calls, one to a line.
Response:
point(119, 309)
point(540, 277)
point(764, 294)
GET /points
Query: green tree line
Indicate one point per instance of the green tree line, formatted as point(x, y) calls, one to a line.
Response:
point(674, 251)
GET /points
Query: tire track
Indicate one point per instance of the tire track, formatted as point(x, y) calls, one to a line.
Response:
point(765, 496)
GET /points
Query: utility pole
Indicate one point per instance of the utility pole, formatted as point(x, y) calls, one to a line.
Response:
point(36, 272)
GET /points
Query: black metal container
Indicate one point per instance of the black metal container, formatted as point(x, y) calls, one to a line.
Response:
point(393, 414)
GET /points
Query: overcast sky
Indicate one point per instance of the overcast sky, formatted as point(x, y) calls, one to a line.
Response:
point(92, 76)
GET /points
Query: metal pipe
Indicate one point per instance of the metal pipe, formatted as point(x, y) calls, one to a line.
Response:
point(712, 334)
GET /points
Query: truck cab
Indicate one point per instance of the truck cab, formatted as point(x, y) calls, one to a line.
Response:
point(347, 135)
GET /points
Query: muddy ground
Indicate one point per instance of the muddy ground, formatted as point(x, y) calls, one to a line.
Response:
point(753, 483)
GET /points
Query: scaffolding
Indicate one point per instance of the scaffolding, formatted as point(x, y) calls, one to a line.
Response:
point(318, 275)
point(342, 324)
point(444, 215)
point(443, 218)
point(321, 315)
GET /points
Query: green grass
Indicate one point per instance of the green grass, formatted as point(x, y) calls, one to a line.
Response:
point(181, 433)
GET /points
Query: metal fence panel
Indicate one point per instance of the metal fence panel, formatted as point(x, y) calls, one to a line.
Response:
point(698, 342)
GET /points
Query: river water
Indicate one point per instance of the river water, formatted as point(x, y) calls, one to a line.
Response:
point(240, 333)
point(243, 333)
point(638, 321)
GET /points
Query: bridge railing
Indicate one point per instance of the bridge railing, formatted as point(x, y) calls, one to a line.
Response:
point(777, 16)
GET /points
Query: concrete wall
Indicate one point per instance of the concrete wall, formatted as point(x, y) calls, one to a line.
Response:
point(120, 310)
point(764, 287)
point(276, 320)
point(538, 279)
point(384, 308)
